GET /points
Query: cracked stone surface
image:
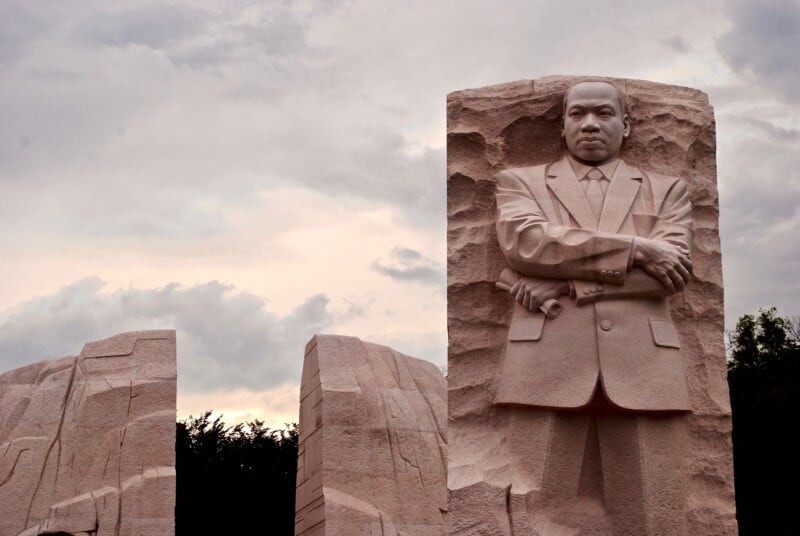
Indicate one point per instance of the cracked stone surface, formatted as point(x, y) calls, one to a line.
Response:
point(87, 443)
point(519, 124)
point(372, 445)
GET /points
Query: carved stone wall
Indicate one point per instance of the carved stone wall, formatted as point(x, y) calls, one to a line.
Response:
point(372, 447)
point(87, 443)
point(519, 124)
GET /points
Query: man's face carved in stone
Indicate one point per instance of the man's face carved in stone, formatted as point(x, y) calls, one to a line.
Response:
point(594, 124)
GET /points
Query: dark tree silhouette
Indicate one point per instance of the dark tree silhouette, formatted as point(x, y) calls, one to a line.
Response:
point(764, 380)
point(234, 480)
point(241, 479)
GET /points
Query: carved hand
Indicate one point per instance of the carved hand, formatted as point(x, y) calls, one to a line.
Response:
point(532, 292)
point(666, 262)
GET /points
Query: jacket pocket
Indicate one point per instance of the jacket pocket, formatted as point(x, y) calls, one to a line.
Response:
point(664, 333)
point(526, 328)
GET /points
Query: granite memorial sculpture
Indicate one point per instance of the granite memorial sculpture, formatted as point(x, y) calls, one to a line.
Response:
point(372, 449)
point(570, 409)
point(87, 443)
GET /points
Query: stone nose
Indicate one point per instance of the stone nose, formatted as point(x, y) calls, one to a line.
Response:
point(590, 123)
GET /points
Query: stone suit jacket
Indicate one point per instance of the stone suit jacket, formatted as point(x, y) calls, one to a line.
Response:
point(616, 331)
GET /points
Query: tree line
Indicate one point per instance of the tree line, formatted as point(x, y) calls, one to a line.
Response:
point(764, 381)
point(241, 479)
point(234, 479)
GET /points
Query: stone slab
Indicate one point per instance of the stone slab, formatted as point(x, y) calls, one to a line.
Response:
point(372, 442)
point(87, 443)
point(519, 124)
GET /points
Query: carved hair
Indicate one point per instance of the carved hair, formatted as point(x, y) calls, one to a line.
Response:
point(622, 98)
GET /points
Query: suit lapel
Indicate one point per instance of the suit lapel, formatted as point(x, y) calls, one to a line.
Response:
point(619, 198)
point(535, 180)
point(562, 180)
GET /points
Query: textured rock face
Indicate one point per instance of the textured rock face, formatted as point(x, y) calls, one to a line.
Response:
point(519, 124)
point(372, 448)
point(87, 443)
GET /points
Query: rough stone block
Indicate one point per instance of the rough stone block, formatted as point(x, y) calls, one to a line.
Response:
point(87, 443)
point(518, 125)
point(372, 448)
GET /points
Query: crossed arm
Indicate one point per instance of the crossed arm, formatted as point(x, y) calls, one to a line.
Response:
point(556, 260)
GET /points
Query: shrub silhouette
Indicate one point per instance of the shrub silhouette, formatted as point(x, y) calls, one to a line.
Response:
point(234, 480)
point(764, 381)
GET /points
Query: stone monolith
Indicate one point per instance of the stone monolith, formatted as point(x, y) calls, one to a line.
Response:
point(87, 443)
point(372, 442)
point(586, 383)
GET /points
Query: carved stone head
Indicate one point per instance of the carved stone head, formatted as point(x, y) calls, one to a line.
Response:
point(595, 122)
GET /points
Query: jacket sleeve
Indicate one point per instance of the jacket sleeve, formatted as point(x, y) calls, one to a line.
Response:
point(537, 247)
point(673, 225)
point(638, 284)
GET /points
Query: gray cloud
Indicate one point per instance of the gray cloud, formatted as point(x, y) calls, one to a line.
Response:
point(409, 265)
point(80, 118)
point(677, 43)
point(773, 132)
point(19, 27)
point(226, 339)
point(160, 123)
point(759, 176)
point(763, 43)
point(277, 32)
point(155, 26)
point(334, 94)
point(377, 166)
point(200, 38)
point(759, 214)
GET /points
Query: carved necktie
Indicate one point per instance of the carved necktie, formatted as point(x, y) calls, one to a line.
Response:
point(594, 191)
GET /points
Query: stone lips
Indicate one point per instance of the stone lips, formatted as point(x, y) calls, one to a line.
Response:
point(518, 124)
point(372, 447)
point(87, 443)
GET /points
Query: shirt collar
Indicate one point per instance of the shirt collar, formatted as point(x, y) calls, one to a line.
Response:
point(582, 169)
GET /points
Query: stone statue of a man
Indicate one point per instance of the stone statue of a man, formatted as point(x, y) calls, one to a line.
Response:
point(610, 242)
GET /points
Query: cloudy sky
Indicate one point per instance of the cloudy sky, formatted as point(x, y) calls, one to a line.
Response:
point(252, 173)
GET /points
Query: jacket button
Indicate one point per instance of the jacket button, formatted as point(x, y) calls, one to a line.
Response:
point(605, 325)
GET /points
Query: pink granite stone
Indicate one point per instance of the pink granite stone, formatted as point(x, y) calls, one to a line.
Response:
point(371, 448)
point(87, 443)
point(605, 420)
